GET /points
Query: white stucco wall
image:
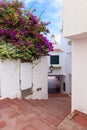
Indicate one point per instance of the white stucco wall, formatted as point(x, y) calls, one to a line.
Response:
point(9, 77)
point(61, 65)
point(79, 75)
point(26, 75)
point(16, 76)
point(75, 28)
point(40, 79)
point(68, 73)
point(67, 57)
point(75, 18)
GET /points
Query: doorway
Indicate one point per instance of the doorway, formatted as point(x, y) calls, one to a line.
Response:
point(53, 84)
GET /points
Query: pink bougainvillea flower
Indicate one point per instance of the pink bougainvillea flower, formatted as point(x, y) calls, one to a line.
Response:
point(28, 43)
point(22, 31)
point(2, 31)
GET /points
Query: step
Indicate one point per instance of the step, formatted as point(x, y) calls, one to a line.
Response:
point(75, 121)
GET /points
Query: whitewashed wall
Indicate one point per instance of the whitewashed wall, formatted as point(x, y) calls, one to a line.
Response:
point(9, 78)
point(67, 60)
point(79, 75)
point(40, 79)
point(16, 76)
point(61, 69)
point(26, 75)
point(75, 18)
point(75, 28)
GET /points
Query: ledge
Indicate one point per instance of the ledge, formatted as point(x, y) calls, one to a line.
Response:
point(76, 36)
point(57, 67)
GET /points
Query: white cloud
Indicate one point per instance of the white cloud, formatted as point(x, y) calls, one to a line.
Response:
point(40, 1)
point(56, 3)
point(56, 19)
point(29, 1)
point(58, 13)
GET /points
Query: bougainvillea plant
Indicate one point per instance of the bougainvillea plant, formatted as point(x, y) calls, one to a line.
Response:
point(22, 34)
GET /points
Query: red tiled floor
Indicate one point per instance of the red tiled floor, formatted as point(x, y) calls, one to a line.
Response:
point(33, 114)
point(75, 121)
point(80, 118)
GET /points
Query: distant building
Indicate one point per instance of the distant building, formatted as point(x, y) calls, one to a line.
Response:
point(59, 64)
point(53, 40)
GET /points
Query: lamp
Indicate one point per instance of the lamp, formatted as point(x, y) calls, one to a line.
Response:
point(51, 69)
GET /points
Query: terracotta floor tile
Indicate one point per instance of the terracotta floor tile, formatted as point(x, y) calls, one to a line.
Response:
point(33, 114)
point(38, 124)
point(80, 118)
point(2, 124)
point(75, 121)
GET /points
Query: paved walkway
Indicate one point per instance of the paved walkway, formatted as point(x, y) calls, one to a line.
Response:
point(75, 121)
point(33, 114)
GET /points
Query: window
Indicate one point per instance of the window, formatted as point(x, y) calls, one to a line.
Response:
point(54, 60)
point(69, 42)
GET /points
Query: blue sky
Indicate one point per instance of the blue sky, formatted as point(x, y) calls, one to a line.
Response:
point(51, 11)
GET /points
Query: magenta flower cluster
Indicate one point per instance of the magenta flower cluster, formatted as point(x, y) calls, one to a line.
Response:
point(25, 32)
